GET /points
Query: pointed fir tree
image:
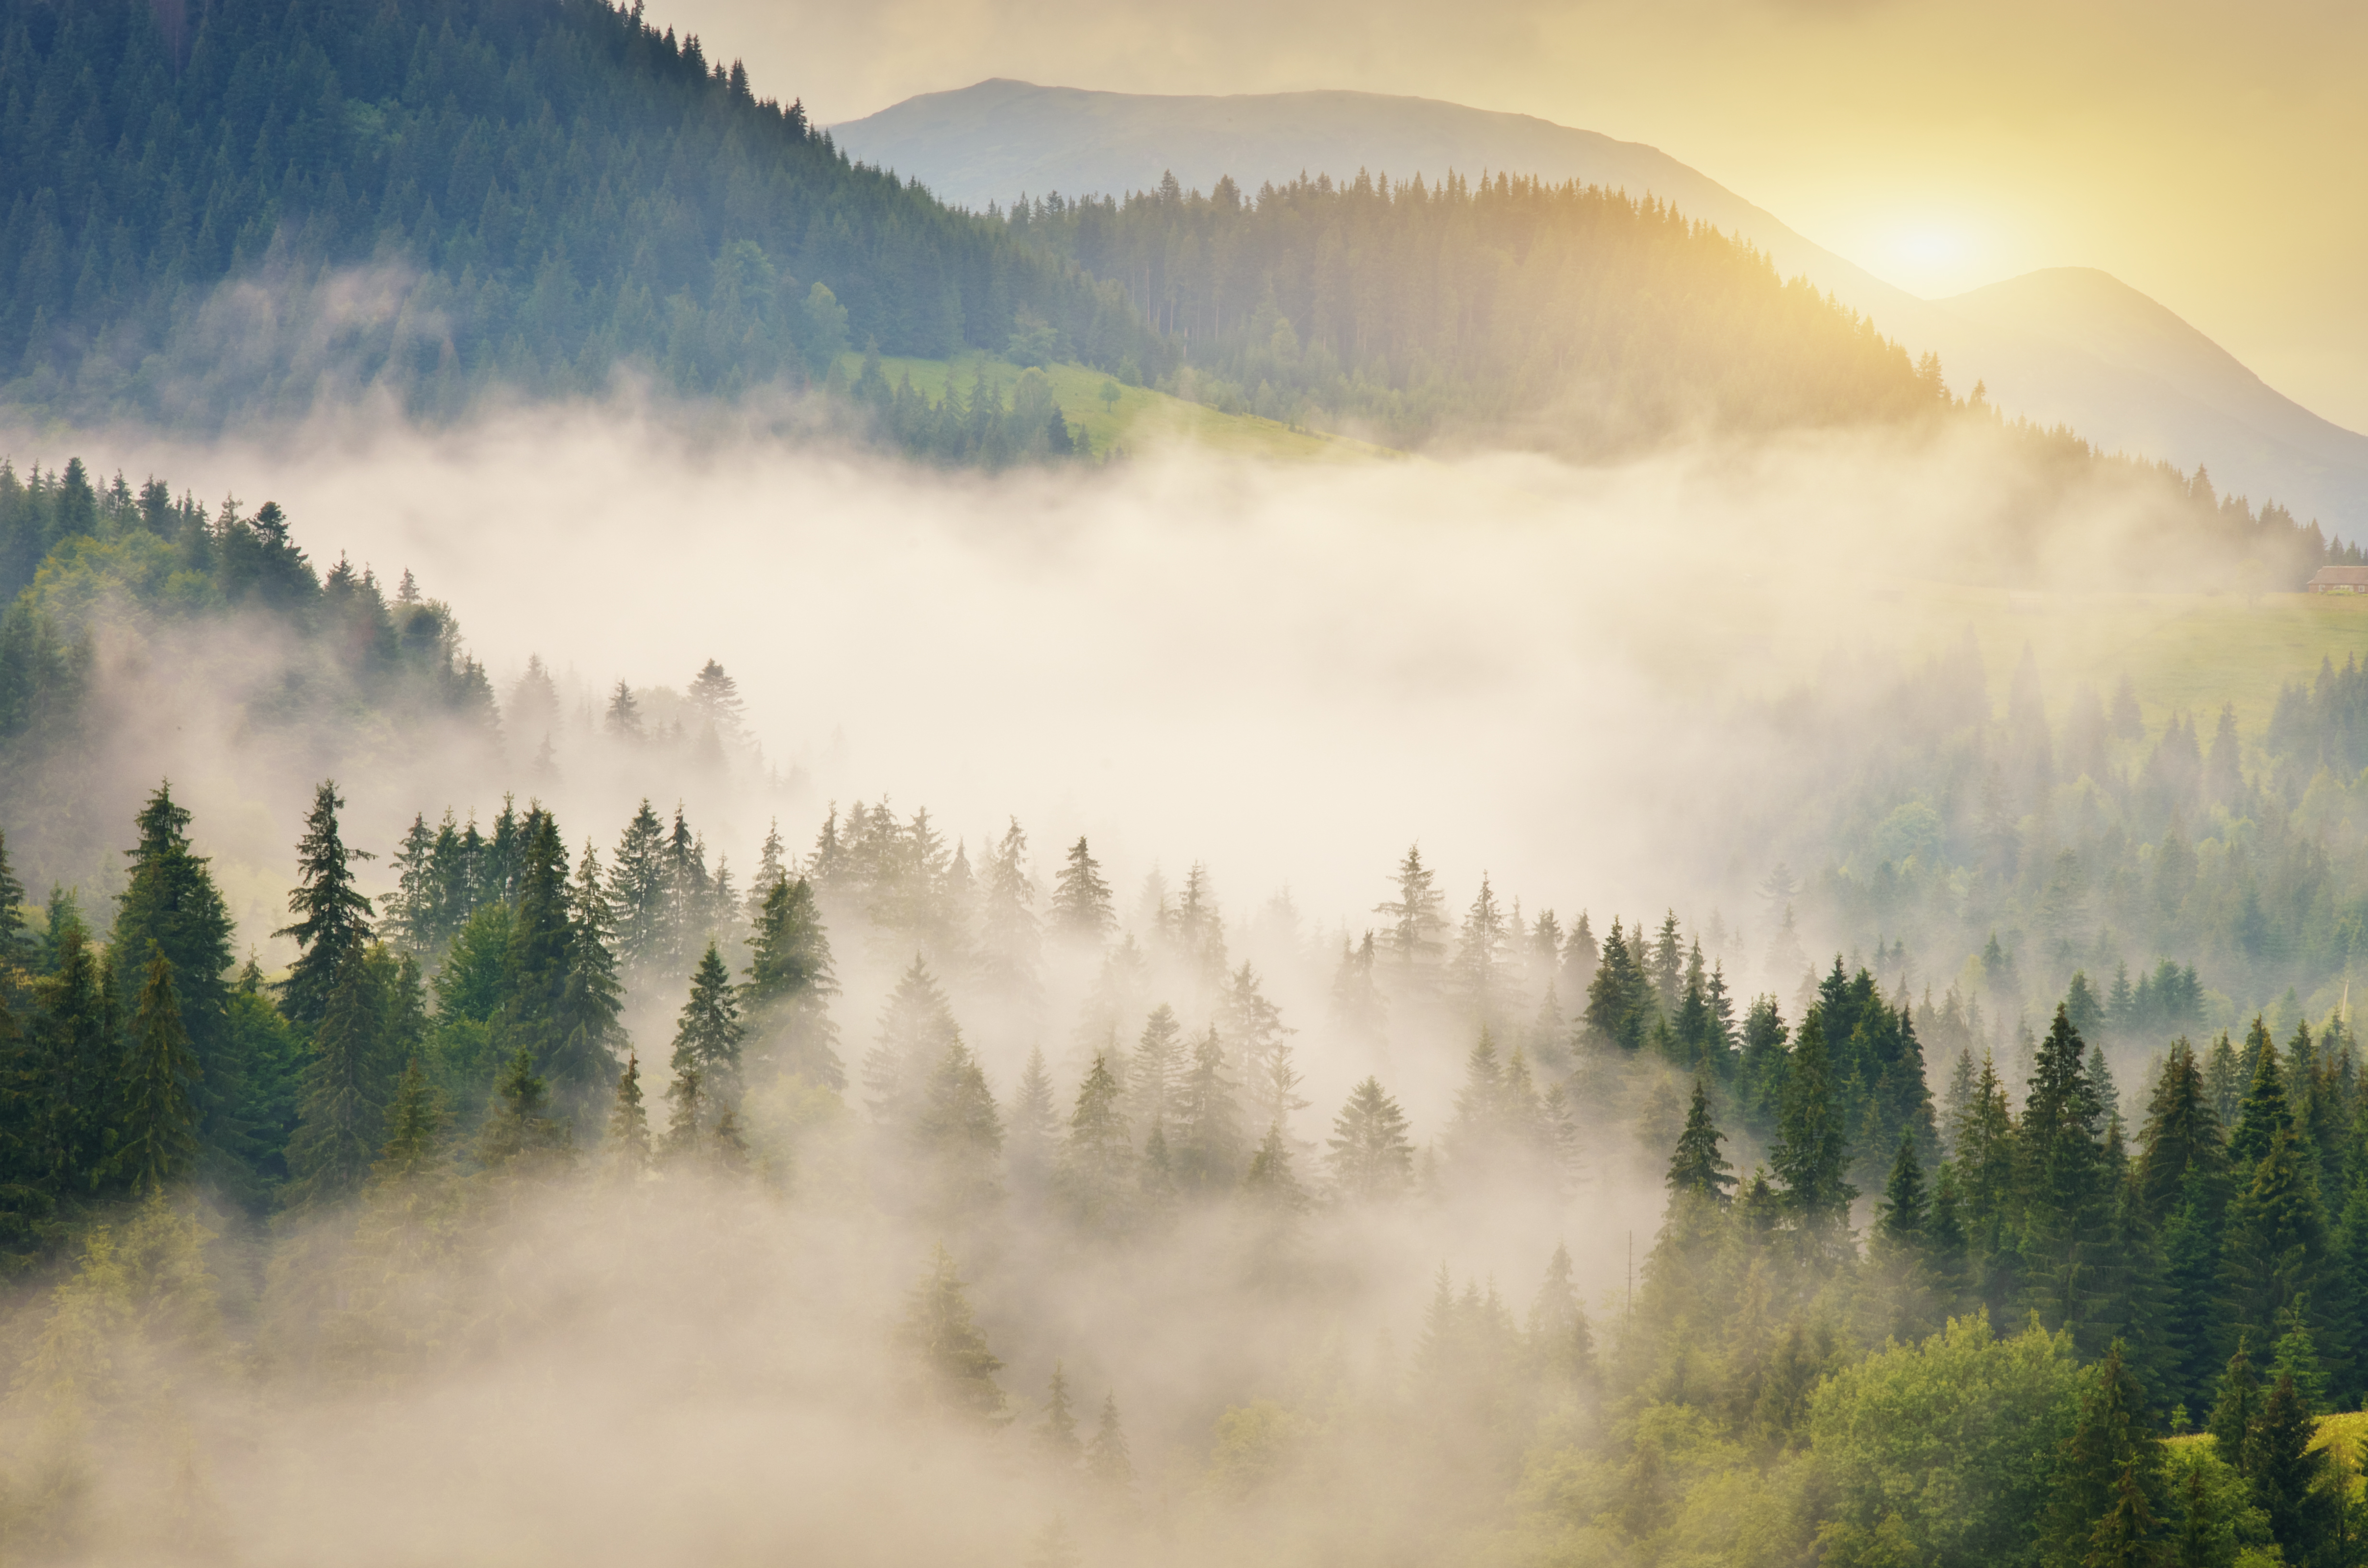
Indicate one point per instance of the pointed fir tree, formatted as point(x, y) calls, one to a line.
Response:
point(1081, 909)
point(627, 1146)
point(1058, 1430)
point(2288, 1473)
point(1271, 1185)
point(1097, 1156)
point(414, 1127)
point(1371, 1157)
point(1108, 1460)
point(789, 985)
point(1208, 1143)
point(334, 918)
point(1032, 1128)
point(522, 1135)
point(708, 1034)
point(342, 1097)
point(958, 1137)
point(1156, 1075)
point(637, 890)
point(1811, 1155)
point(158, 1130)
point(171, 906)
point(1697, 1170)
point(956, 1369)
point(2237, 1408)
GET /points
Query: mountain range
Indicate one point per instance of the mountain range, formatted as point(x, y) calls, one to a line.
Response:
point(2065, 346)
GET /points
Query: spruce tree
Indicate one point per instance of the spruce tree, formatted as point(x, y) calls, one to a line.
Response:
point(1156, 1075)
point(1108, 1460)
point(1208, 1143)
point(2274, 1249)
point(158, 1130)
point(627, 1146)
point(334, 919)
point(342, 1096)
point(1031, 1129)
point(1811, 1155)
point(1097, 1156)
point(956, 1368)
point(637, 893)
point(1080, 909)
point(414, 1127)
point(2287, 1473)
point(2111, 1436)
point(1373, 1159)
point(1697, 1169)
point(917, 1028)
point(1059, 1428)
point(1417, 920)
point(2067, 1191)
point(171, 906)
point(708, 1034)
point(1901, 1216)
point(788, 986)
point(2235, 1409)
point(523, 1135)
point(531, 1015)
point(69, 1074)
point(958, 1135)
point(1270, 1184)
point(2183, 1134)
point(592, 999)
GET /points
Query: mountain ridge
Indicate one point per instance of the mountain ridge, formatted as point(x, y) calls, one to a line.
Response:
point(991, 141)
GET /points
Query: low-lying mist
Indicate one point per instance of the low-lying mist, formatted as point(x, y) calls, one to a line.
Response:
point(1569, 679)
point(1287, 671)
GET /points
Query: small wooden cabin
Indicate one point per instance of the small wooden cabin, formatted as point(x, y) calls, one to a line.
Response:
point(2339, 580)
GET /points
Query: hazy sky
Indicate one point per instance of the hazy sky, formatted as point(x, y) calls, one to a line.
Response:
point(2215, 157)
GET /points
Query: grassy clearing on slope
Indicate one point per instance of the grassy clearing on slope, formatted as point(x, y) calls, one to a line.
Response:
point(1138, 418)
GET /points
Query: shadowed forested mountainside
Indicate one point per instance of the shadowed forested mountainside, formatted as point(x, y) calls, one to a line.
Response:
point(241, 209)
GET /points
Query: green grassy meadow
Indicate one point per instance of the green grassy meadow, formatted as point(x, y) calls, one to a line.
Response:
point(1140, 416)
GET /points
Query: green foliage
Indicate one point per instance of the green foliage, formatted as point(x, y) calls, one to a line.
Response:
point(955, 1369)
point(1948, 1446)
point(1372, 1158)
point(158, 1125)
point(335, 917)
point(347, 1080)
point(1323, 298)
point(532, 199)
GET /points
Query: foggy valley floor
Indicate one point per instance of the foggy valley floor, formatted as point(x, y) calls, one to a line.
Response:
point(1163, 1037)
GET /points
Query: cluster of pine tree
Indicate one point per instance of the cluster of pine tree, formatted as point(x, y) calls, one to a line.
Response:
point(1576, 315)
point(237, 209)
point(2074, 846)
point(463, 1034)
point(82, 561)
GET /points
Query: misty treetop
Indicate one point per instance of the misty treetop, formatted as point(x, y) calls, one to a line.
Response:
point(1813, 1322)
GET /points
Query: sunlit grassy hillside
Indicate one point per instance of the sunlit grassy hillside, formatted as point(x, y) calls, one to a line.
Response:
point(1135, 418)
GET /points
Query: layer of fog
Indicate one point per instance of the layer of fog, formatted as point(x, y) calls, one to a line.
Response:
point(1284, 671)
point(1288, 671)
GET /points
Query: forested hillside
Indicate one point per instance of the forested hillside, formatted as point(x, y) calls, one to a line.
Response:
point(237, 209)
point(1568, 313)
point(1878, 1322)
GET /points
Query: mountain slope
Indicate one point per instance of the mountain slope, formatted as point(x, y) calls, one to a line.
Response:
point(2164, 386)
point(275, 203)
point(2127, 378)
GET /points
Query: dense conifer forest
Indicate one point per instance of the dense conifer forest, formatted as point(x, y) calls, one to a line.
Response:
point(2044, 1267)
point(235, 210)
